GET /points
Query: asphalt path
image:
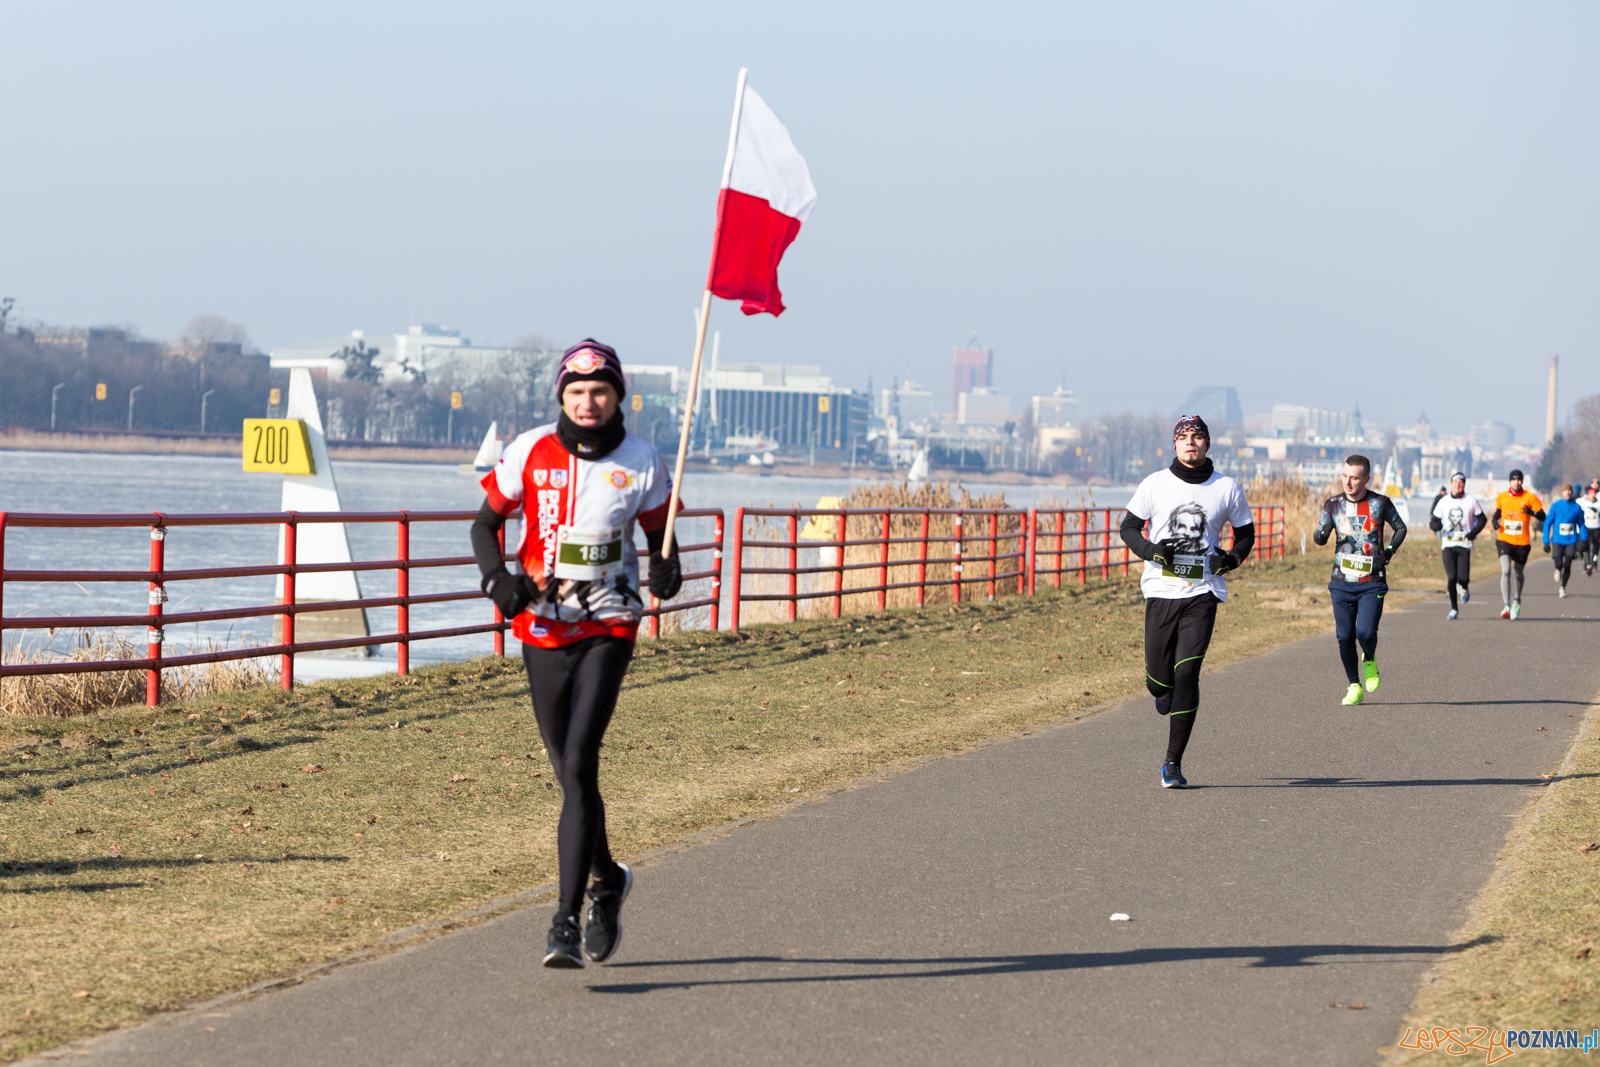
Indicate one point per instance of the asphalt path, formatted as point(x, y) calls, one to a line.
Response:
point(960, 912)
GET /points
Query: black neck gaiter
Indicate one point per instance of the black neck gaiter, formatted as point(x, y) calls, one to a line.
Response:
point(1192, 475)
point(591, 442)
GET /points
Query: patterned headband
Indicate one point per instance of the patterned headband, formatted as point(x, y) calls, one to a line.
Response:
point(1191, 424)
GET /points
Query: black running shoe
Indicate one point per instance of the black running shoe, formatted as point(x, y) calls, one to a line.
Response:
point(566, 944)
point(603, 932)
point(1164, 704)
point(1172, 777)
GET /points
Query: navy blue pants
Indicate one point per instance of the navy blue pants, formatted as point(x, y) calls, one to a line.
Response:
point(1356, 610)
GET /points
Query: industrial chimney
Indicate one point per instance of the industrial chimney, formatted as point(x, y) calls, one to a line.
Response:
point(1550, 405)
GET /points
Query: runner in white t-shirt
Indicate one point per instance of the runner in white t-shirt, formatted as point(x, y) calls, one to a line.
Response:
point(582, 483)
point(1458, 518)
point(1187, 506)
point(1590, 503)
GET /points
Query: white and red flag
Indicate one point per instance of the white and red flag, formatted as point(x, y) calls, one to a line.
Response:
point(766, 195)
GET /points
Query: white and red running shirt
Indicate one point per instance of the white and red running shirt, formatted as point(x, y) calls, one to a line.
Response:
point(597, 502)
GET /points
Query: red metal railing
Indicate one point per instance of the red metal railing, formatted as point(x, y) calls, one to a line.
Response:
point(1060, 534)
point(1007, 548)
point(286, 609)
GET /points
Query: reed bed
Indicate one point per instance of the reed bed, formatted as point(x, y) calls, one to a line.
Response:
point(44, 441)
point(67, 695)
point(1301, 503)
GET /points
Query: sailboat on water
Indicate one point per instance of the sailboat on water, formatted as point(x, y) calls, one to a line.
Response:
point(488, 452)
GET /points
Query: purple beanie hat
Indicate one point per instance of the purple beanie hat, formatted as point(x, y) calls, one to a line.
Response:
point(589, 361)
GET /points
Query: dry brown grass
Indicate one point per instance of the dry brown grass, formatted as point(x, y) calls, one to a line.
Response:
point(62, 695)
point(44, 441)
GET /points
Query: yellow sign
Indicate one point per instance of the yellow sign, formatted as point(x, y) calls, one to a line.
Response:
point(455, 400)
point(274, 398)
point(100, 391)
point(822, 405)
point(638, 402)
point(277, 446)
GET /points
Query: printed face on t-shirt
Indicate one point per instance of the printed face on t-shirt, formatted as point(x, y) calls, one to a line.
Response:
point(1187, 524)
point(1455, 521)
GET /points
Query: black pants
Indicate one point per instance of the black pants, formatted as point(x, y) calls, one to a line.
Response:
point(1591, 553)
point(574, 693)
point(1564, 556)
point(1457, 571)
point(1176, 636)
point(1357, 610)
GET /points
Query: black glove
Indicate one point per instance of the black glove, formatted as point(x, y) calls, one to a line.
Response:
point(1161, 552)
point(1223, 562)
point(666, 574)
point(1388, 554)
point(1527, 509)
point(511, 593)
point(1547, 546)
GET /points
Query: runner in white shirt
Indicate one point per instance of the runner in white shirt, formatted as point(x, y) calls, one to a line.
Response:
point(582, 482)
point(1458, 519)
point(1187, 506)
point(1590, 503)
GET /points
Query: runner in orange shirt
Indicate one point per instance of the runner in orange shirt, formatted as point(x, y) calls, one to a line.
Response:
point(1515, 512)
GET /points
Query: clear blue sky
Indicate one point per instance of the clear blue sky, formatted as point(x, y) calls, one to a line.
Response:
point(1389, 204)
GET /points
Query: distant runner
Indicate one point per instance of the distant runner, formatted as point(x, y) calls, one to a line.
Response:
point(1590, 503)
point(1515, 512)
point(1565, 536)
point(1458, 519)
point(1186, 506)
point(1359, 579)
point(582, 482)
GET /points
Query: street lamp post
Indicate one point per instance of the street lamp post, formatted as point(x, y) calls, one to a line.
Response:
point(53, 393)
point(203, 397)
point(131, 393)
point(853, 439)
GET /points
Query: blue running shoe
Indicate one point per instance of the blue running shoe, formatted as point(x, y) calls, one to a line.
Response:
point(1172, 777)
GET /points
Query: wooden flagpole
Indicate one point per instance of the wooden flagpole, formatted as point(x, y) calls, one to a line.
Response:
point(700, 330)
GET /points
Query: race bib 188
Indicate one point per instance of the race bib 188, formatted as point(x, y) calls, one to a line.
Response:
point(588, 555)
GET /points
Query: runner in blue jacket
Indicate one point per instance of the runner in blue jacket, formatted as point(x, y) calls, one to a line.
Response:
point(1564, 535)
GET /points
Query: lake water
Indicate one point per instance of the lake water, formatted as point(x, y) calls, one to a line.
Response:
point(125, 484)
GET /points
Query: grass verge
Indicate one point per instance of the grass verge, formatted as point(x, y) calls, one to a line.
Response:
point(150, 859)
point(1531, 962)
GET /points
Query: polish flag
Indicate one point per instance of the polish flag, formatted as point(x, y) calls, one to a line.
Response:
point(766, 195)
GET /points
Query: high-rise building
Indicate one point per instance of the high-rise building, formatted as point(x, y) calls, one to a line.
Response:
point(974, 369)
point(1217, 404)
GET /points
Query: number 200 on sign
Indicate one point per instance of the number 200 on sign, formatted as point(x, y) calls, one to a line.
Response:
point(279, 446)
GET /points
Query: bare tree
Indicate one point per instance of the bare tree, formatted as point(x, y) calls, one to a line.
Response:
point(205, 332)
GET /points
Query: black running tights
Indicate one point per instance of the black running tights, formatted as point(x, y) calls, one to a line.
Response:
point(1457, 571)
point(1564, 556)
point(574, 693)
point(1176, 636)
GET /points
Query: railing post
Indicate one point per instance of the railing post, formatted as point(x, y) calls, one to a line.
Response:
point(158, 598)
point(955, 567)
point(499, 619)
point(1030, 563)
point(402, 589)
point(1061, 544)
point(290, 557)
point(1105, 546)
point(794, 564)
point(883, 563)
point(1124, 551)
point(922, 560)
point(838, 570)
point(738, 568)
point(2, 593)
point(1083, 547)
point(716, 574)
point(994, 549)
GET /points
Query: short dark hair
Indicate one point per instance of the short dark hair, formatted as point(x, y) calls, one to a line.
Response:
point(1359, 461)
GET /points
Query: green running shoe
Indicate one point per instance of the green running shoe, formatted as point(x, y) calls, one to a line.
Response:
point(1353, 695)
point(1370, 672)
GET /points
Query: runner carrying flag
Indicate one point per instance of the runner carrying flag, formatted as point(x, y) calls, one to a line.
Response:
point(1186, 506)
point(583, 482)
